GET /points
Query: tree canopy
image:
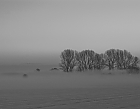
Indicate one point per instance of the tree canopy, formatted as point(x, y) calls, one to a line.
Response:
point(89, 60)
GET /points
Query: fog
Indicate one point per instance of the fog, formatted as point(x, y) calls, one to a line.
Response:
point(34, 58)
point(62, 80)
point(36, 27)
point(42, 58)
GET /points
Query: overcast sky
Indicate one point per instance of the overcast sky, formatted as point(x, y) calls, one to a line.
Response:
point(47, 27)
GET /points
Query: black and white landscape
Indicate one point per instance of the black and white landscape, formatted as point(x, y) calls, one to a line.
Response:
point(69, 54)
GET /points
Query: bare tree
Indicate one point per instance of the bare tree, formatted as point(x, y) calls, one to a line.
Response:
point(121, 59)
point(118, 59)
point(99, 62)
point(127, 59)
point(67, 60)
point(133, 66)
point(85, 60)
point(135, 61)
point(110, 58)
point(89, 60)
point(124, 59)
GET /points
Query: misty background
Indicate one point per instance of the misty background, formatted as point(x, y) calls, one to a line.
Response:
point(37, 31)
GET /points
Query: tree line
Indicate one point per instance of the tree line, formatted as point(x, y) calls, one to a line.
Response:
point(89, 60)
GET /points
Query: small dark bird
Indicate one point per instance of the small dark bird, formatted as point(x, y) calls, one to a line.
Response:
point(25, 75)
point(38, 69)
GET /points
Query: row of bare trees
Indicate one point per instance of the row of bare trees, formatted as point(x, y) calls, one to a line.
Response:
point(89, 60)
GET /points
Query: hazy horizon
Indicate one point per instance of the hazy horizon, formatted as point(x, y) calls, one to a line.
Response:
point(35, 31)
point(53, 59)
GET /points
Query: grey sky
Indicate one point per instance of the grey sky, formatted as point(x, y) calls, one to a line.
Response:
point(30, 27)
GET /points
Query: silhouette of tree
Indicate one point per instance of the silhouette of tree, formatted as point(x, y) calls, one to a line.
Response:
point(110, 58)
point(133, 67)
point(124, 59)
point(89, 60)
point(67, 60)
point(134, 62)
point(99, 62)
point(119, 59)
point(85, 60)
